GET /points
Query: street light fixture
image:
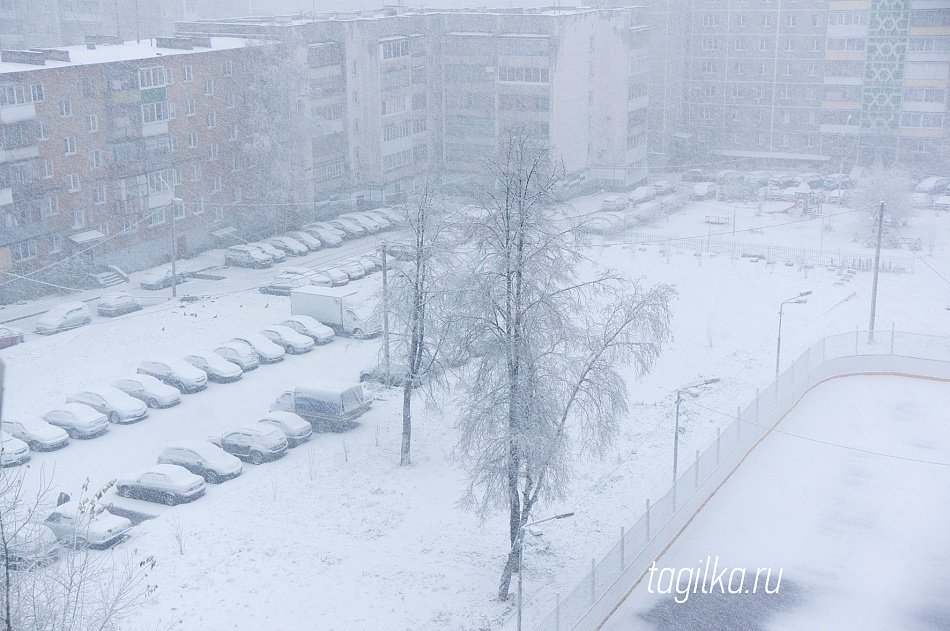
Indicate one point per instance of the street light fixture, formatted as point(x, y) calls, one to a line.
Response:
point(521, 554)
point(676, 431)
point(797, 300)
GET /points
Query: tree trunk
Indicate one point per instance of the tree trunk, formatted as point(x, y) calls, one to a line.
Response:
point(511, 565)
point(406, 421)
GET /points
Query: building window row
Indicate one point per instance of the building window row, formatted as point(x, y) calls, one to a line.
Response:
point(524, 75)
point(921, 119)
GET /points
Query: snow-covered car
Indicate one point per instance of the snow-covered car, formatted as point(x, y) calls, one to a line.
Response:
point(267, 351)
point(352, 229)
point(30, 545)
point(640, 195)
point(401, 251)
point(153, 392)
point(13, 451)
point(63, 317)
point(79, 421)
point(275, 255)
point(330, 239)
point(201, 458)
point(285, 281)
point(216, 367)
point(176, 373)
point(239, 353)
point(114, 403)
point(112, 305)
point(37, 433)
point(395, 217)
point(159, 278)
point(86, 525)
point(368, 223)
point(291, 341)
point(324, 226)
point(379, 218)
point(306, 325)
point(932, 185)
point(165, 483)
point(370, 264)
point(294, 427)
point(694, 175)
point(353, 269)
point(337, 276)
point(288, 245)
point(663, 187)
point(310, 241)
point(10, 336)
point(246, 256)
point(255, 443)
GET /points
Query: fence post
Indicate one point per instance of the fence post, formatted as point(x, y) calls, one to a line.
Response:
point(648, 519)
point(593, 581)
point(622, 565)
point(892, 338)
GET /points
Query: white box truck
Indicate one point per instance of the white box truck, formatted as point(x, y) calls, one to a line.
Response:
point(328, 405)
point(337, 307)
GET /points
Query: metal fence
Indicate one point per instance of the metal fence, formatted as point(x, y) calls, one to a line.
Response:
point(771, 252)
point(608, 580)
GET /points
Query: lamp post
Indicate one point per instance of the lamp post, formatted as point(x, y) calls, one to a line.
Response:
point(521, 554)
point(797, 300)
point(676, 430)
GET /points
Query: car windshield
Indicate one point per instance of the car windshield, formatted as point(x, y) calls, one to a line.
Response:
point(180, 365)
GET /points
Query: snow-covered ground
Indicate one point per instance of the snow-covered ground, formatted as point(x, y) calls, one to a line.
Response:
point(336, 535)
point(849, 498)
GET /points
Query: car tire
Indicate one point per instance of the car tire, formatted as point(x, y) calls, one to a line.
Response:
point(152, 403)
point(72, 433)
point(114, 417)
point(358, 334)
point(87, 321)
point(34, 446)
point(122, 491)
point(256, 457)
point(169, 500)
point(211, 477)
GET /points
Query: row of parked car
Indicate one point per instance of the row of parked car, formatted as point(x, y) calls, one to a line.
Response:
point(313, 237)
point(332, 276)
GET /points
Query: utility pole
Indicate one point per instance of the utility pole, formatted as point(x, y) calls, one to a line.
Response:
point(877, 267)
point(174, 253)
point(385, 315)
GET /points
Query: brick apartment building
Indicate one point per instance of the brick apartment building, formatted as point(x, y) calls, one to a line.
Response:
point(98, 141)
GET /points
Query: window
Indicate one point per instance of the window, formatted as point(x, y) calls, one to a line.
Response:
point(767, 20)
point(192, 140)
point(156, 217)
point(232, 131)
point(236, 196)
point(710, 43)
point(47, 168)
point(738, 67)
point(789, 45)
point(211, 120)
point(740, 19)
point(763, 69)
point(929, 44)
point(847, 18)
point(55, 243)
point(128, 223)
point(739, 45)
point(209, 87)
point(736, 91)
point(734, 114)
point(399, 130)
point(24, 250)
point(186, 74)
point(227, 68)
point(154, 112)
point(173, 143)
point(397, 160)
point(103, 228)
point(710, 20)
point(190, 107)
point(178, 210)
point(524, 75)
point(51, 206)
point(921, 119)
point(784, 91)
point(393, 49)
point(69, 145)
point(924, 95)
point(92, 123)
point(760, 139)
point(36, 92)
point(72, 182)
point(813, 70)
point(790, 20)
point(65, 107)
point(851, 43)
point(811, 94)
point(709, 66)
point(218, 213)
point(212, 152)
point(99, 195)
point(95, 159)
point(42, 131)
point(198, 208)
point(79, 218)
point(788, 69)
point(235, 163)
point(708, 89)
point(216, 184)
point(815, 46)
point(231, 100)
point(786, 117)
point(763, 44)
point(811, 118)
point(195, 172)
point(12, 95)
point(153, 77)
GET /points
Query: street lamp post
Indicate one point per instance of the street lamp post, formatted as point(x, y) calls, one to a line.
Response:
point(521, 554)
point(676, 430)
point(797, 300)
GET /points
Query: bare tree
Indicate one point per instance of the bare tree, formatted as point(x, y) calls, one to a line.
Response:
point(544, 384)
point(894, 188)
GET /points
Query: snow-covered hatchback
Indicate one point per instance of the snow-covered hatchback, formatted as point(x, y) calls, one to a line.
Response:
point(165, 483)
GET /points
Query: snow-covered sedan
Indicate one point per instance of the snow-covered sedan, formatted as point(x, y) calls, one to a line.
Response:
point(10, 336)
point(239, 353)
point(165, 483)
point(291, 341)
point(306, 325)
point(175, 372)
point(112, 305)
point(31, 545)
point(63, 317)
point(13, 451)
point(329, 238)
point(379, 218)
point(255, 442)
point(371, 225)
point(153, 392)
point(288, 245)
point(352, 229)
point(79, 421)
point(115, 404)
point(394, 216)
point(353, 269)
point(209, 461)
point(217, 368)
point(294, 427)
point(312, 242)
point(159, 278)
point(37, 433)
point(84, 525)
point(277, 256)
point(267, 351)
point(337, 277)
point(284, 282)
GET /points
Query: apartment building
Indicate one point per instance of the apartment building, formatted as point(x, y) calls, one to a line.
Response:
point(98, 142)
point(399, 96)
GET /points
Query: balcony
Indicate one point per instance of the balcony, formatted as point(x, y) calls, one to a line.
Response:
point(159, 199)
point(6, 196)
point(17, 113)
point(20, 153)
point(154, 129)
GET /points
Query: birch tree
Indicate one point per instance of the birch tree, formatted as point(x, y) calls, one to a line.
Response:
point(548, 343)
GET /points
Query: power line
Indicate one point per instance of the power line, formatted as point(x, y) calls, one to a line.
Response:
point(912, 251)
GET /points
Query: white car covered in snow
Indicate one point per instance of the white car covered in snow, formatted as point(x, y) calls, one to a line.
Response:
point(217, 368)
point(209, 461)
point(63, 317)
point(305, 325)
point(13, 451)
point(86, 525)
point(239, 353)
point(175, 372)
point(37, 433)
point(115, 404)
point(164, 483)
point(294, 427)
point(79, 421)
point(267, 351)
point(153, 392)
point(291, 341)
point(256, 442)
